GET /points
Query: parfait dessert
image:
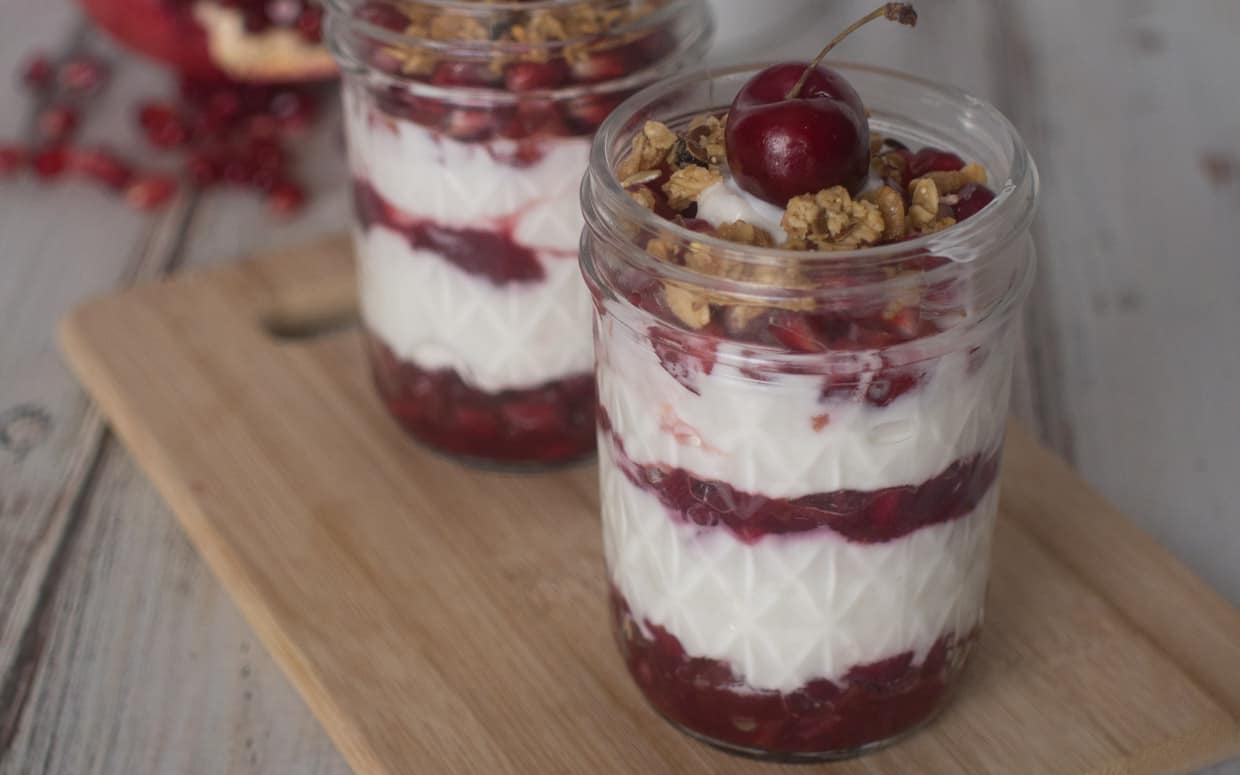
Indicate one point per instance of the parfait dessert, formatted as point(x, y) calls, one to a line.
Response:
point(469, 127)
point(806, 282)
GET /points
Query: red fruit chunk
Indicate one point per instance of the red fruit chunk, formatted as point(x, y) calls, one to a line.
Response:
point(889, 384)
point(933, 160)
point(382, 13)
point(470, 124)
point(150, 192)
point(533, 76)
point(794, 332)
point(38, 72)
point(285, 199)
point(971, 198)
point(310, 24)
point(83, 75)
point(608, 64)
point(12, 159)
point(102, 165)
point(163, 125)
point(49, 163)
point(472, 74)
point(57, 124)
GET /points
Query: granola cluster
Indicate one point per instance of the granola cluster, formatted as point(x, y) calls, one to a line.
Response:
point(536, 35)
point(667, 172)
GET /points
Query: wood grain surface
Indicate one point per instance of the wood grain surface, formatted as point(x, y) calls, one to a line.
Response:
point(439, 618)
point(1129, 106)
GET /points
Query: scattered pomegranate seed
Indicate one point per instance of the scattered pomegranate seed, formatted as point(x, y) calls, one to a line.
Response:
point(532, 76)
point(285, 198)
point(163, 125)
point(38, 72)
point(202, 168)
point(228, 132)
point(102, 165)
point(49, 163)
point(83, 75)
point(57, 124)
point(12, 159)
point(310, 25)
point(150, 192)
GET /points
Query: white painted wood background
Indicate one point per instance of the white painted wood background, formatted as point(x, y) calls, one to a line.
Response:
point(120, 654)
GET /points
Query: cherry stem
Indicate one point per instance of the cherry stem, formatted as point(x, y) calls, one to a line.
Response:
point(897, 12)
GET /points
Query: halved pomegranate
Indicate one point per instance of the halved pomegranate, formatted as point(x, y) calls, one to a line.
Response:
point(263, 41)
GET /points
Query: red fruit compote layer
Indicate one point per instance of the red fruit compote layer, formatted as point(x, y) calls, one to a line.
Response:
point(468, 134)
point(798, 493)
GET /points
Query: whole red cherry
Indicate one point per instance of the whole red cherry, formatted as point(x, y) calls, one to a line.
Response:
point(795, 129)
point(783, 149)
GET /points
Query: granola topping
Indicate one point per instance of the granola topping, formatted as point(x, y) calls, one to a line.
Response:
point(667, 171)
point(537, 35)
point(664, 168)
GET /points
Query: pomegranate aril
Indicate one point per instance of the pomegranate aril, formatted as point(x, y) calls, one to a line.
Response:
point(469, 124)
point(533, 76)
point(163, 126)
point(49, 163)
point(933, 160)
point(57, 124)
point(477, 74)
point(38, 72)
point(203, 169)
point(150, 192)
point(607, 65)
point(12, 159)
point(970, 199)
point(102, 165)
point(83, 75)
point(310, 24)
point(794, 332)
point(382, 14)
point(285, 198)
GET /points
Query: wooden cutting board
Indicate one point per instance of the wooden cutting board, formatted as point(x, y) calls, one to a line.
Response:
point(439, 619)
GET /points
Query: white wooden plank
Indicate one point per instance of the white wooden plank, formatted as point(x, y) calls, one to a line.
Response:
point(59, 244)
point(117, 637)
point(1120, 100)
point(149, 666)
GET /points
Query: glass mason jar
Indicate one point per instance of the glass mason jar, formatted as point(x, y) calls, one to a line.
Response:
point(798, 496)
point(468, 130)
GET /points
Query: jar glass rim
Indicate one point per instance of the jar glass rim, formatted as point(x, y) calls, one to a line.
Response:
point(1001, 221)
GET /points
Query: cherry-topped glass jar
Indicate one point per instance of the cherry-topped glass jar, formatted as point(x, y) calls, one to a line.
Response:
point(799, 449)
point(469, 128)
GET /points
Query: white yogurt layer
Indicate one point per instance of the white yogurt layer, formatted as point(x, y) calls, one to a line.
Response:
point(436, 315)
point(789, 609)
point(726, 202)
point(428, 175)
point(512, 336)
point(779, 438)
